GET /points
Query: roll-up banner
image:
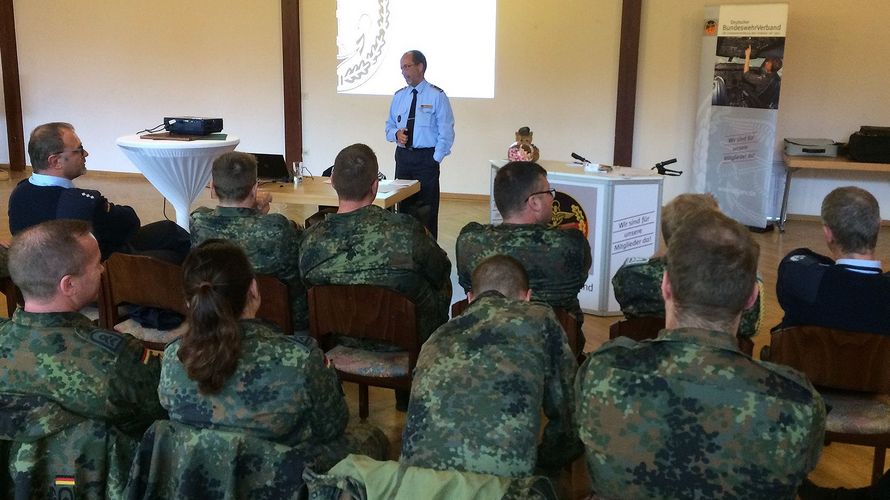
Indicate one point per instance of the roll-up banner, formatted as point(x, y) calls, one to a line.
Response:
point(743, 51)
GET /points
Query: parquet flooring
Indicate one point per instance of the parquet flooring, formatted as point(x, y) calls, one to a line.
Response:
point(840, 465)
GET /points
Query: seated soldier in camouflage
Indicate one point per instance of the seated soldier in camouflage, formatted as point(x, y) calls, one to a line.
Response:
point(232, 372)
point(688, 415)
point(365, 244)
point(637, 283)
point(557, 260)
point(271, 241)
point(52, 352)
point(482, 379)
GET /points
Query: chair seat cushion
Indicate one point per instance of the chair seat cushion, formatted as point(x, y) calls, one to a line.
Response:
point(133, 327)
point(369, 363)
point(857, 413)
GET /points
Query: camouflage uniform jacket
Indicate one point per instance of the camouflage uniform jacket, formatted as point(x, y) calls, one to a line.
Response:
point(637, 287)
point(90, 372)
point(283, 390)
point(557, 260)
point(479, 386)
point(176, 460)
point(271, 241)
point(687, 415)
point(376, 247)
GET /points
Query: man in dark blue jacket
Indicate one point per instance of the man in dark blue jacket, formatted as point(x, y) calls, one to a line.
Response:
point(848, 290)
point(58, 157)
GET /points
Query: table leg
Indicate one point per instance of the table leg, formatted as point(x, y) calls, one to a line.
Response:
point(783, 216)
point(182, 215)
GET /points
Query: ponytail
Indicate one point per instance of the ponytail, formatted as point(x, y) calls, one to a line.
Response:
point(217, 277)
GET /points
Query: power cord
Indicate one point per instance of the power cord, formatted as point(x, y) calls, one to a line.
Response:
point(154, 129)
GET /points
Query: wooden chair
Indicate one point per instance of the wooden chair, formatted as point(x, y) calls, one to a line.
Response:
point(275, 302)
point(642, 328)
point(146, 281)
point(565, 318)
point(13, 295)
point(139, 280)
point(366, 312)
point(647, 327)
point(852, 372)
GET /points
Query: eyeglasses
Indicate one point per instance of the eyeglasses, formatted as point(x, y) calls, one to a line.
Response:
point(406, 66)
point(552, 192)
point(78, 149)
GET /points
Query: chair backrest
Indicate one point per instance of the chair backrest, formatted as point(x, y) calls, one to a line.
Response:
point(13, 295)
point(363, 311)
point(275, 304)
point(638, 329)
point(565, 318)
point(835, 359)
point(140, 280)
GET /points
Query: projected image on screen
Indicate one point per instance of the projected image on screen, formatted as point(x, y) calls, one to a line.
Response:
point(457, 38)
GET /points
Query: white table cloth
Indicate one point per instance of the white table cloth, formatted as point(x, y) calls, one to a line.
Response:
point(178, 169)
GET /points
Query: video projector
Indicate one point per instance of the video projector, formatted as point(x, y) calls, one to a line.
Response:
point(192, 125)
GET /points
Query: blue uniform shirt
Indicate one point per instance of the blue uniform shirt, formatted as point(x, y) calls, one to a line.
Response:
point(433, 119)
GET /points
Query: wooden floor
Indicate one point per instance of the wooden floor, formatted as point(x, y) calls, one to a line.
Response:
point(841, 465)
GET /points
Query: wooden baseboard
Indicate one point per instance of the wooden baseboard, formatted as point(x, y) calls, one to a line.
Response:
point(464, 197)
point(112, 175)
point(817, 218)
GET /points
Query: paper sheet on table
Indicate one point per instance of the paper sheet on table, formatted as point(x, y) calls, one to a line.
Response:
point(388, 186)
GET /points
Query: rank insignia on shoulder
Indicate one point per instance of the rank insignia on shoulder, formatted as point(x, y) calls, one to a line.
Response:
point(437, 88)
point(797, 258)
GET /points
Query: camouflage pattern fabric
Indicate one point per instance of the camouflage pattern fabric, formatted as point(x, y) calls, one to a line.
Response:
point(479, 386)
point(271, 242)
point(361, 478)
point(179, 461)
point(90, 372)
point(637, 287)
point(689, 416)
point(85, 459)
point(556, 260)
point(376, 247)
point(283, 391)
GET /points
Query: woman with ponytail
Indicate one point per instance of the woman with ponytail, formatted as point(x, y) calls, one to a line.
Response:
point(233, 372)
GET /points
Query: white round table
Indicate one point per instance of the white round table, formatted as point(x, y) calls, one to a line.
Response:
point(178, 169)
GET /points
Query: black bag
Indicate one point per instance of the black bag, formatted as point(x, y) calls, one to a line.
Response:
point(870, 145)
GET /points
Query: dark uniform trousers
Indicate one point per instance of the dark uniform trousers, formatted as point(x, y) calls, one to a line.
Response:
point(418, 164)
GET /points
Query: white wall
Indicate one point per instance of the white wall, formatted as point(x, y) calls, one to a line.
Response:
point(834, 80)
point(556, 72)
point(113, 68)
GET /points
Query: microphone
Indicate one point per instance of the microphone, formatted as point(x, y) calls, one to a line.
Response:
point(581, 158)
point(660, 167)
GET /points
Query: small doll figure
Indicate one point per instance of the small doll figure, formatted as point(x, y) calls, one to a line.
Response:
point(523, 149)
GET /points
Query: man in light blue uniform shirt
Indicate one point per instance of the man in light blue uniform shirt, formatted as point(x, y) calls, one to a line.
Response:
point(423, 137)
